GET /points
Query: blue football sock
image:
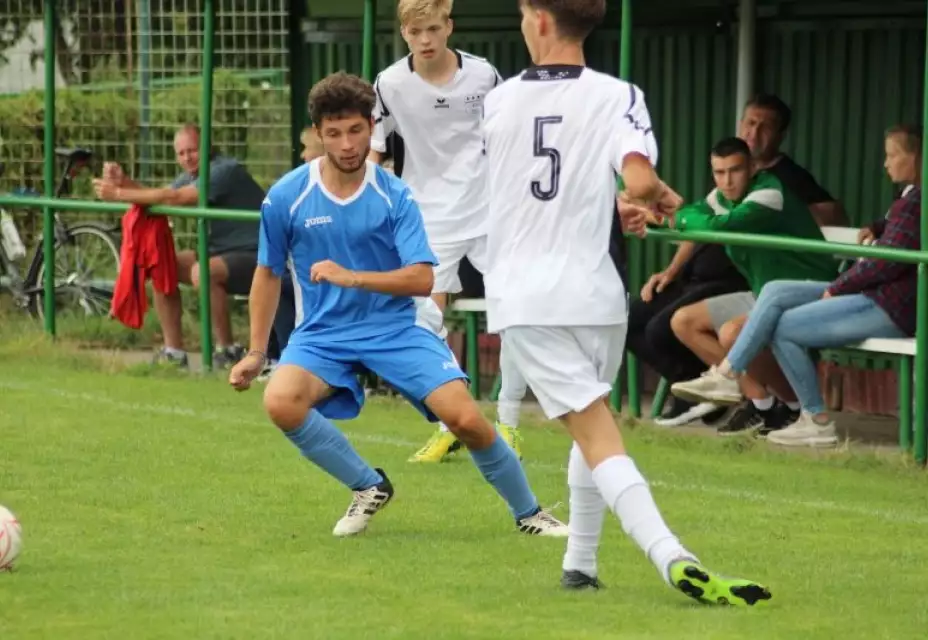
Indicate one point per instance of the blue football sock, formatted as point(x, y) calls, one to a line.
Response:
point(500, 466)
point(322, 443)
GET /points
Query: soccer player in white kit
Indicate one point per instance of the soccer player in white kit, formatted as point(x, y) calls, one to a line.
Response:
point(556, 136)
point(432, 100)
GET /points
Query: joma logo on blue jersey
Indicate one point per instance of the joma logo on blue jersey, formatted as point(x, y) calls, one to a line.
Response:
point(313, 222)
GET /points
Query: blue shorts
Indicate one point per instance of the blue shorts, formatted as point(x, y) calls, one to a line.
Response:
point(412, 360)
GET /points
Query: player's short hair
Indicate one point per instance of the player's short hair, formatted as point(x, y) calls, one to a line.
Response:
point(910, 136)
point(341, 94)
point(772, 102)
point(409, 10)
point(727, 147)
point(575, 19)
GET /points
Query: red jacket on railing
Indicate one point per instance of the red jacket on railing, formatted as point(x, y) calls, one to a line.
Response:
point(147, 252)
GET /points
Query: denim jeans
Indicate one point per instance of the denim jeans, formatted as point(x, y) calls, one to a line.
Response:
point(791, 317)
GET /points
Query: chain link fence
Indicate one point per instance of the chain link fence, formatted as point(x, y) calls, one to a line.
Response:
point(128, 75)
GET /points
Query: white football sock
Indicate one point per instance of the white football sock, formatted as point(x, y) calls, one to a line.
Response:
point(626, 493)
point(511, 392)
point(507, 411)
point(443, 427)
point(587, 512)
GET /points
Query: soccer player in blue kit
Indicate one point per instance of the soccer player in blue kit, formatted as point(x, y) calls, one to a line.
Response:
point(351, 237)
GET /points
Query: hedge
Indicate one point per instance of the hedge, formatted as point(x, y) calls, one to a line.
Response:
point(250, 122)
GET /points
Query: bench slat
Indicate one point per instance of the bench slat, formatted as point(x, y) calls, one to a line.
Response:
point(476, 305)
point(899, 346)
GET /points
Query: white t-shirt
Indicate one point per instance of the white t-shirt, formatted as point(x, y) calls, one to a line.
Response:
point(556, 138)
point(443, 164)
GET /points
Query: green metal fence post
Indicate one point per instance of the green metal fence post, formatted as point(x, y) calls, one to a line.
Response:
point(921, 333)
point(634, 244)
point(48, 215)
point(299, 79)
point(904, 381)
point(144, 37)
point(370, 21)
point(206, 147)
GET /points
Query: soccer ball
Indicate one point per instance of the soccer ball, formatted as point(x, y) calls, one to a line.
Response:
point(11, 538)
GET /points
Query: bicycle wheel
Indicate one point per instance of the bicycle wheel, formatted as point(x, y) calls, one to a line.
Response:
point(86, 267)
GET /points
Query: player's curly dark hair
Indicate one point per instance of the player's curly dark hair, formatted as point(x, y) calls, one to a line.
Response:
point(575, 19)
point(341, 94)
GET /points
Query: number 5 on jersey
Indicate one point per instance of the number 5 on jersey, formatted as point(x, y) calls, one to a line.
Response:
point(541, 151)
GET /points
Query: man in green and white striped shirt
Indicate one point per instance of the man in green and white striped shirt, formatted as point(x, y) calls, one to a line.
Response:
point(749, 202)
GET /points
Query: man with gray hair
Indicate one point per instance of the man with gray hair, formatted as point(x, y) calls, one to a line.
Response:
point(233, 245)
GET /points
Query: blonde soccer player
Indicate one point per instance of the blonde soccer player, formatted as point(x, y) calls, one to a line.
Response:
point(431, 102)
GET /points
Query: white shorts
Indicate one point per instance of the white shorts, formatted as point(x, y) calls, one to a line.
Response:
point(429, 316)
point(567, 368)
point(449, 256)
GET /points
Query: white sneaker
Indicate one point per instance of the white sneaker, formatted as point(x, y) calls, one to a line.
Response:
point(711, 386)
point(543, 524)
point(805, 432)
point(363, 506)
point(694, 413)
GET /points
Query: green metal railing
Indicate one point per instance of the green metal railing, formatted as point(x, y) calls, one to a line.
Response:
point(49, 204)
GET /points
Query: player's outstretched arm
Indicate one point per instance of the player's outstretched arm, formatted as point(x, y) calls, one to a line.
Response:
point(262, 306)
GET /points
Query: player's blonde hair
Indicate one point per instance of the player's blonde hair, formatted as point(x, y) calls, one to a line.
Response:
point(410, 10)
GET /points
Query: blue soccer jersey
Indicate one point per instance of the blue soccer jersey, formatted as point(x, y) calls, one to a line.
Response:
point(379, 228)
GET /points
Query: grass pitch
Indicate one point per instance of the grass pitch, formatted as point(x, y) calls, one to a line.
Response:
point(166, 506)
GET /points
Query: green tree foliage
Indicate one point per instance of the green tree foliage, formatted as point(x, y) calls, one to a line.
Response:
point(250, 123)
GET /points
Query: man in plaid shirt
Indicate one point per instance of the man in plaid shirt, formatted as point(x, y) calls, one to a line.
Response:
point(872, 299)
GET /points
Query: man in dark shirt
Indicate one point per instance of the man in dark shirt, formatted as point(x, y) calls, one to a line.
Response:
point(764, 126)
point(233, 246)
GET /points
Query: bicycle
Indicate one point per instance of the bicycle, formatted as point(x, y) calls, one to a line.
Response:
point(80, 286)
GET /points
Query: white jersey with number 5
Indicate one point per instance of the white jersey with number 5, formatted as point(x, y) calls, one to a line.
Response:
point(556, 137)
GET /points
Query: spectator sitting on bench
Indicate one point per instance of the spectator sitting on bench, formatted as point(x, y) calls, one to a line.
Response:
point(751, 202)
point(873, 299)
point(233, 246)
point(697, 272)
point(764, 126)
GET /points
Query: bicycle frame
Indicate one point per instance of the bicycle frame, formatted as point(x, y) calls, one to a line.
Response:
point(18, 279)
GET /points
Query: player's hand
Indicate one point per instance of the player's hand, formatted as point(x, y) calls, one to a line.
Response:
point(246, 370)
point(634, 217)
point(105, 190)
point(112, 172)
point(655, 284)
point(865, 236)
point(826, 295)
point(669, 201)
point(328, 271)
